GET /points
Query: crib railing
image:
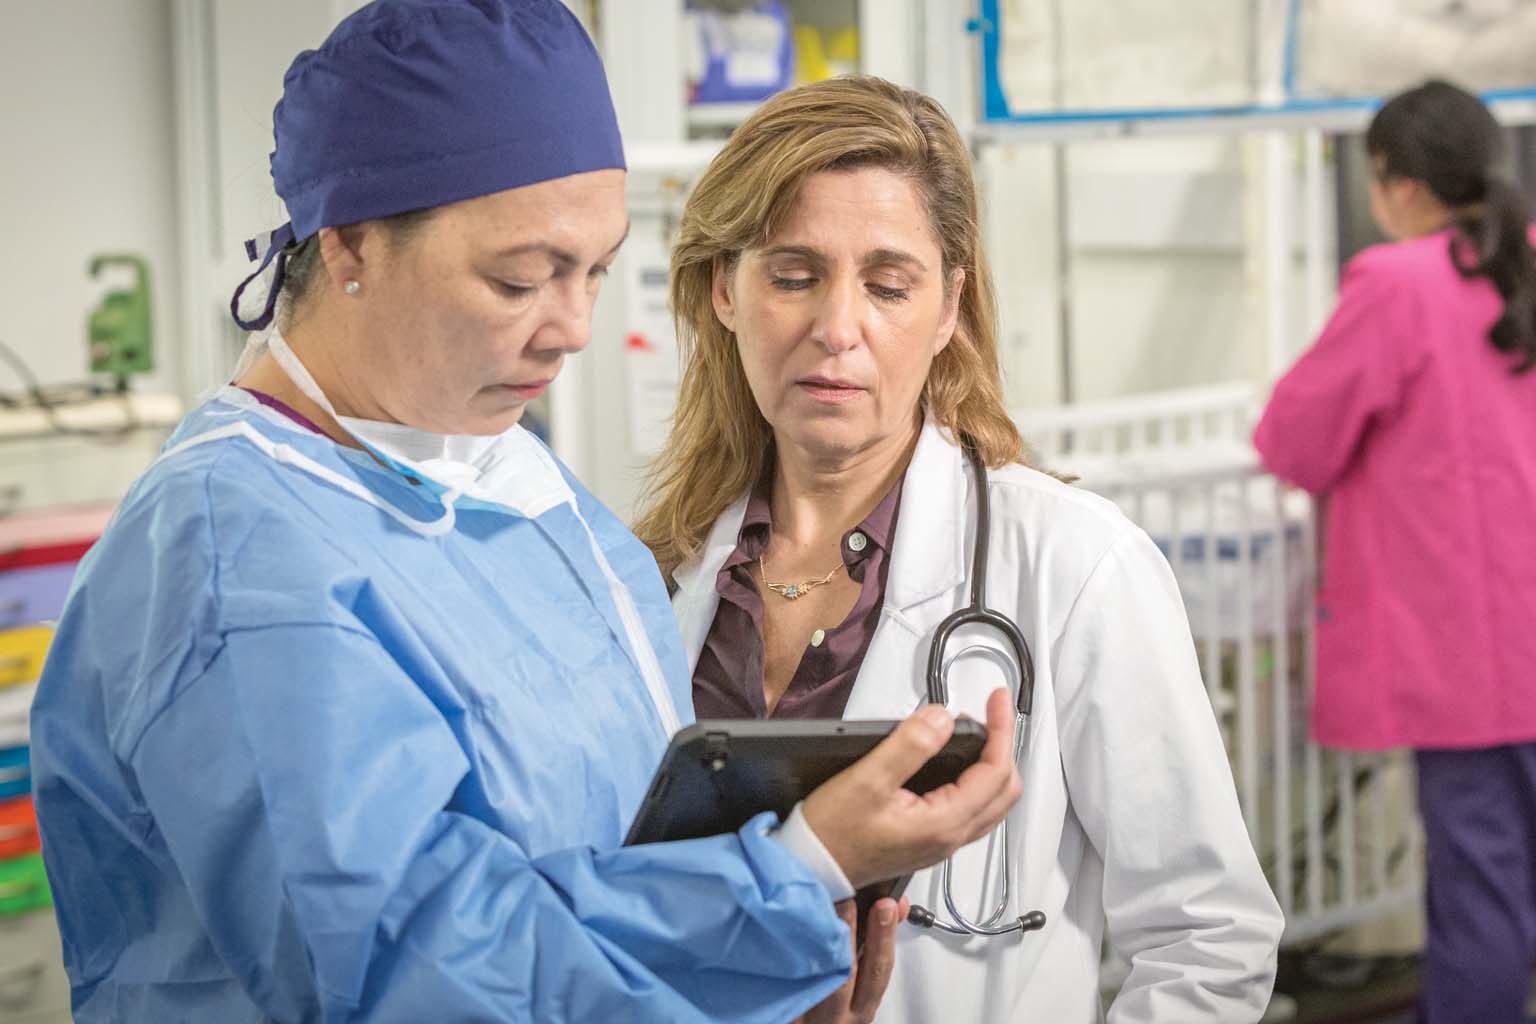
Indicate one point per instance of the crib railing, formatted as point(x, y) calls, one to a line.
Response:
point(1140, 423)
point(1335, 831)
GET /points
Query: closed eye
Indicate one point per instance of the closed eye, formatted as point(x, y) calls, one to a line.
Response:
point(793, 284)
point(881, 291)
point(508, 288)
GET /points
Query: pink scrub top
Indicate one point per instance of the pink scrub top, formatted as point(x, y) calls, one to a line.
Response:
point(1405, 418)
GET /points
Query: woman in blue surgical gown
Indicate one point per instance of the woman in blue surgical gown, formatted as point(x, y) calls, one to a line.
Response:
point(349, 708)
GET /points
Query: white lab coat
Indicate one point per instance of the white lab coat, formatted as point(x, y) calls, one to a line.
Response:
point(1129, 815)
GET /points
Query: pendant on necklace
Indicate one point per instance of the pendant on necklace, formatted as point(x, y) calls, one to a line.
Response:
point(791, 591)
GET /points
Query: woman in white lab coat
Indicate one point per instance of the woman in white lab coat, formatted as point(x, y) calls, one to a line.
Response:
point(816, 513)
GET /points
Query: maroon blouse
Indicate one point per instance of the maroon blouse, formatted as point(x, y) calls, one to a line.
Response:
point(728, 680)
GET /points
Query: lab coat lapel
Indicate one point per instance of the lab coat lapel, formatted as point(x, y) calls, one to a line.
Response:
point(928, 565)
point(696, 600)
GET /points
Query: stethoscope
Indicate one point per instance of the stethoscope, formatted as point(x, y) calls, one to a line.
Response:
point(977, 613)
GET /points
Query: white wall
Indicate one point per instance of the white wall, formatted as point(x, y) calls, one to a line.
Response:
point(89, 167)
point(1017, 194)
point(1159, 294)
point(231, 57)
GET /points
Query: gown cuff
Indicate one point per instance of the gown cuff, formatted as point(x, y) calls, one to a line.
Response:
point(796, 836)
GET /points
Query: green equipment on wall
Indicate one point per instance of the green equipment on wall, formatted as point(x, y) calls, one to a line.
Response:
point(119, 328)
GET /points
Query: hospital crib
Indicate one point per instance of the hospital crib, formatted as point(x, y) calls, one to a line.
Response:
point(1334, 830)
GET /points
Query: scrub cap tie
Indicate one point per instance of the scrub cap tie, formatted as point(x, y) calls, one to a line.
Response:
point(411, 104)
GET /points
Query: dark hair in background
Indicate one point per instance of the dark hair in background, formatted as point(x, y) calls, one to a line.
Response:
point(1444, 137)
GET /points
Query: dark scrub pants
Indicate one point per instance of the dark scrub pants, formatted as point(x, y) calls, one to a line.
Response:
point(1479, 810)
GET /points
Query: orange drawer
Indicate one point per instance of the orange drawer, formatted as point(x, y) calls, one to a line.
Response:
point(18, 828)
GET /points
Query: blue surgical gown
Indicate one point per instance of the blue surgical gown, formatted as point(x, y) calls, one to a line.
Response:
point(296, 761)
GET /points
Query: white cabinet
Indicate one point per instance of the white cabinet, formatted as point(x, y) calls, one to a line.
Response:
point(230, 58)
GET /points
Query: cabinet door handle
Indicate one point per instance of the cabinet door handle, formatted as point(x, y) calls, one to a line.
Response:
point(16, 831)
point(10, 890)
point(14, 662)
point(14, 772)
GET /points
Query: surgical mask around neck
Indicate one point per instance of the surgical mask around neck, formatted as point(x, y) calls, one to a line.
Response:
point(509, 469)
point(421, 447)
point(456, 461)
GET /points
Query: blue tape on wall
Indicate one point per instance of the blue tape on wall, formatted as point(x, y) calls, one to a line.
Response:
point(995, 101)
point(1292, 31)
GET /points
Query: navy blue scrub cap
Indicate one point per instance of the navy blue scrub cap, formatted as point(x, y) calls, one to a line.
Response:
point(411, 104)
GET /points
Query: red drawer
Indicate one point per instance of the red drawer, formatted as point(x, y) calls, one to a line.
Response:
point(18, 828)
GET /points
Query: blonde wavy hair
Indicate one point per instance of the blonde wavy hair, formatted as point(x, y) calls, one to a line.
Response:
point(720, 442)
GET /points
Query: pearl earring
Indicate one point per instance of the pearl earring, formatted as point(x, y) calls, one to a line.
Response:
point(351, 287)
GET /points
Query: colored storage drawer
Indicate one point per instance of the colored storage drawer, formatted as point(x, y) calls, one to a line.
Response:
point(56, 525)
point(23, 884)
point(32, 594)
point(16, 715)
point(15, 772)
point(18, 828)
point(22, 652)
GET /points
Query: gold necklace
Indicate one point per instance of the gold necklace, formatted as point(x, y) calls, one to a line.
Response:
point(791, 591)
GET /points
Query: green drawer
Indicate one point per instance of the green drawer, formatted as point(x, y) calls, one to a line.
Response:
point(23, 885)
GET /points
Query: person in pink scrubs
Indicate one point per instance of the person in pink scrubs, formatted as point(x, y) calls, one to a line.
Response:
point(1413, 418)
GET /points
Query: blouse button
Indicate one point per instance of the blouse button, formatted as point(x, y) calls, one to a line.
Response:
point(817, 637)
point(857, 541)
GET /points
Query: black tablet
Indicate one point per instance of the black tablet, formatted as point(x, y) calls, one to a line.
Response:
point(718, 774)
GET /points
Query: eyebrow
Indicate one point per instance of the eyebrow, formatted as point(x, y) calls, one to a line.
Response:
point(873, 258)
point(878, 257)
point(559, 257)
